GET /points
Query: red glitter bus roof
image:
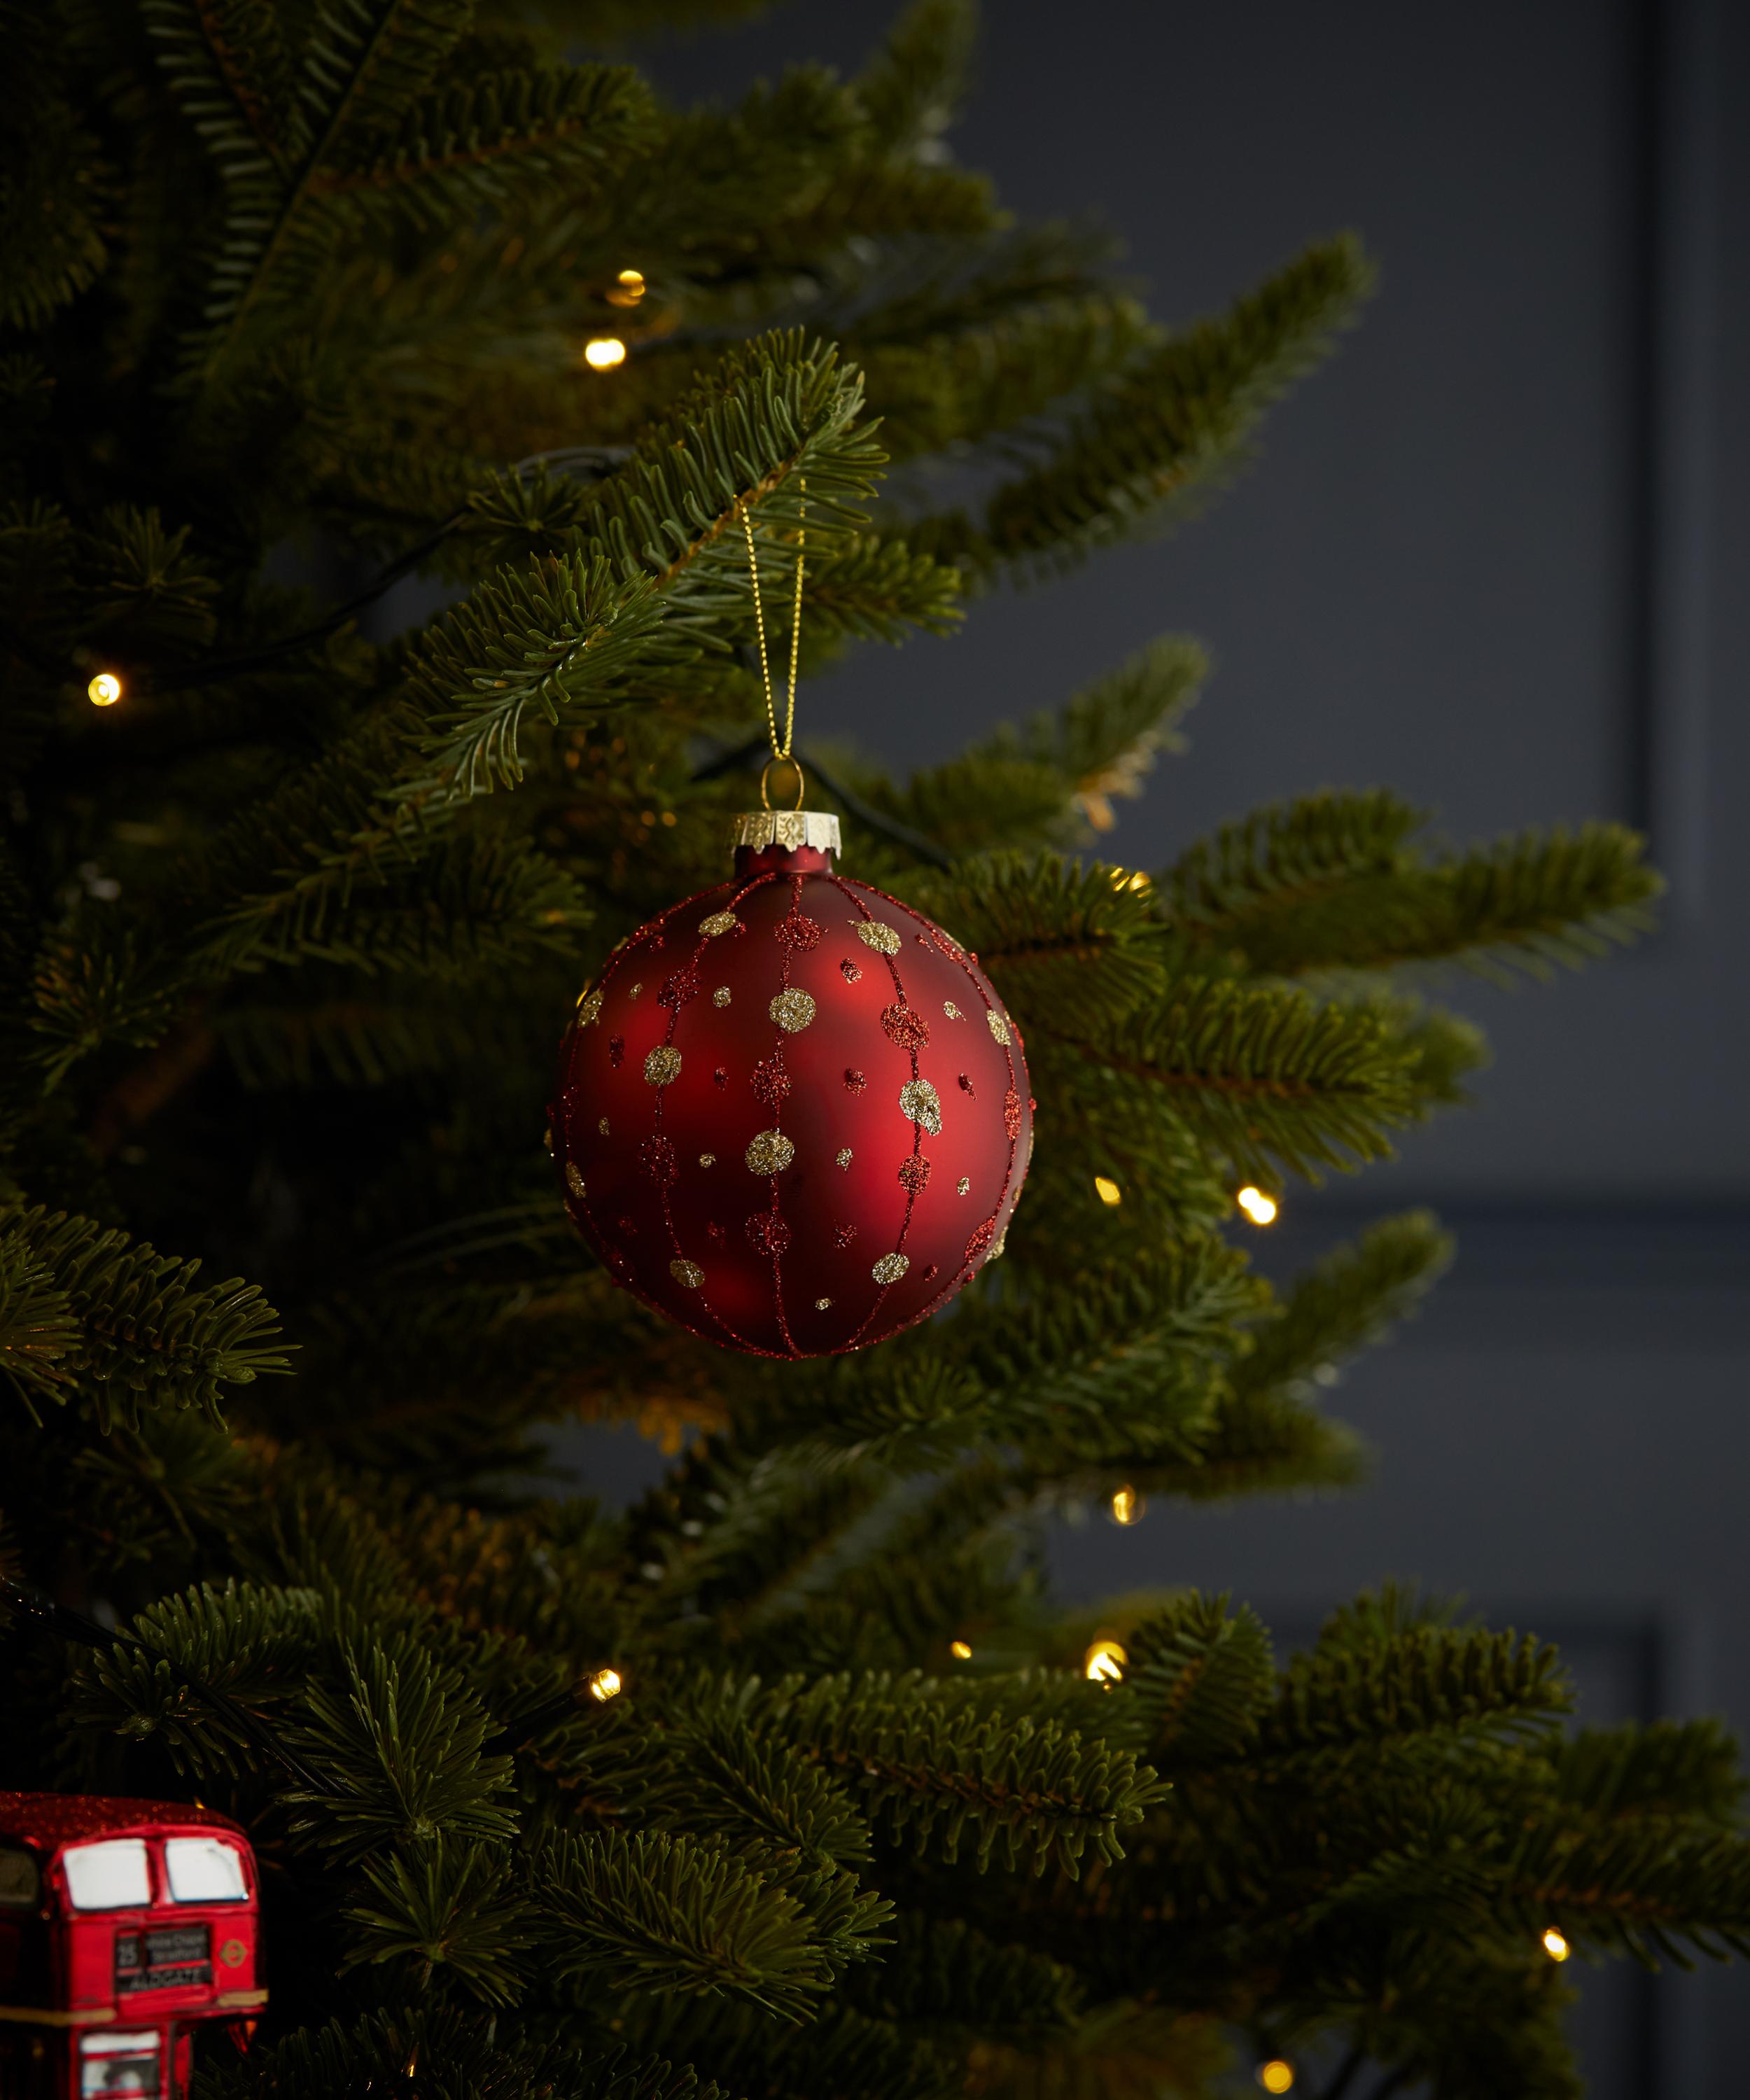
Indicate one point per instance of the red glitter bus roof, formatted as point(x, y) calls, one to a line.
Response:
point(49, 1819)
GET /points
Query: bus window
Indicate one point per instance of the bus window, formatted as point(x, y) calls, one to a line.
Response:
point(18, 1880)
point(203, 1870)
point(121, 2063)
point(107, 1876)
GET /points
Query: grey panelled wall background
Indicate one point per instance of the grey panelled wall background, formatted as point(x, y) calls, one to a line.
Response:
point(1494, 556)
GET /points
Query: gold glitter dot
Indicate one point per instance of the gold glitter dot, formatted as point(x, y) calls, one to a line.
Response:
point(952, 1011)
point(844, 1156)
point(1001, 1241)
point(822, 1304)
point(890, 1268)
point(964, 1185)
point(663, 1065)
point(792, 1010)
point(720, 996)
point(688, 1274)
point(574, 1179)
point(873, 934)
point(770, 1152)
point(602, 1125)
point(719, 922)
point(708, 1159)
point(920, 1101)
point(546, 1139)
point(634, 991)
point(589, 1009)
point(997, 1025)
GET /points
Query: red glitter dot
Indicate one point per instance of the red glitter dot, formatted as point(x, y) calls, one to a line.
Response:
point(854, 1080)
point(930, 1274)
point(714, 1231)
point(798, 932)
point(842, 1235)
point(680, 988)
point(769, 1233)
point(849, 971)
point(720, 1077)
point(771, 1082)
point(1012, 1114)
point(656, 1155)
point(616, 1049)
point(625, 1226)
point(966, 1087)
point(981, 1238)
point(906, 1028)
point(913, 1172)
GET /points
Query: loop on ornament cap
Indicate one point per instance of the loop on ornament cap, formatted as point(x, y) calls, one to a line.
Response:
point(782, 758)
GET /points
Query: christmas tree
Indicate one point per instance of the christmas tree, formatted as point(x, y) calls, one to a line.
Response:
point(792, 1779)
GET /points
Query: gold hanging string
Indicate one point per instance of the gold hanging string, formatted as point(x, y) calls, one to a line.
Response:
point(780, 746)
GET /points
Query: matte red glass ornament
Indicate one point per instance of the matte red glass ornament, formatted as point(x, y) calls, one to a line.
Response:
point(792, 1114)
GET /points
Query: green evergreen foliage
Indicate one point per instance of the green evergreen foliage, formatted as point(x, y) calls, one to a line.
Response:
point(288, 937)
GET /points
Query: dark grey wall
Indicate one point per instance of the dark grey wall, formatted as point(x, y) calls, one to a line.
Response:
point(1493, 557)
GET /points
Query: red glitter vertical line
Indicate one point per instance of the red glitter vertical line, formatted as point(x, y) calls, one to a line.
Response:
point(965, 961)
point(701, 943)
point(776, 1249)
point(917, 1129)
point(1007, 1048)
point(680, 1253)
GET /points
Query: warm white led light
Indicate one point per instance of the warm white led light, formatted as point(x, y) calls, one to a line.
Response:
point(1104, 1661)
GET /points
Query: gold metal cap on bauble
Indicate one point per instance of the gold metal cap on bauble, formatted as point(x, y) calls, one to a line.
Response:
point(789, 828)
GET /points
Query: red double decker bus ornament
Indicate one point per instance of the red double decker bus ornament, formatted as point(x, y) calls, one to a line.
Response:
point(124, 1925)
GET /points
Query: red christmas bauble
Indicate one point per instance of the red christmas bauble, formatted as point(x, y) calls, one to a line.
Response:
point(792, 1112)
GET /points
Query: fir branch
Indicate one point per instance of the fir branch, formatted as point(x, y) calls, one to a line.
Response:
point(1346, 1303)
point(1429, 1680)
point(909, 89)
point(1180, 421)
point(1332, 884)
point(1067, 946)
point(1112, 1363)
point(226, 66)
point(53, 181)
point(1663, 1768)
point(1025, 1793)
point(555, 636)
point(1285, 856)
point(945, 1972)
point(628, 1910)
point(453, 1910)
point(402, 1748)
point(1264, 1075)
point(149, 1335)
point(364, 62)
point(1262, 1443)
point(1200, 1681)
point(244, 1641)
point(1639, 1889)
point(1060, 773)
point(481, 144)
point(39, 1329)
point(458, 2056)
